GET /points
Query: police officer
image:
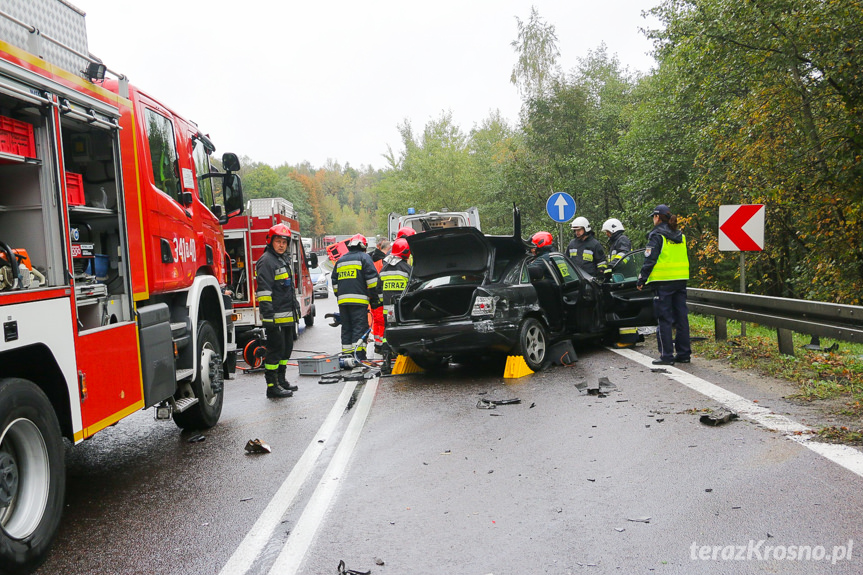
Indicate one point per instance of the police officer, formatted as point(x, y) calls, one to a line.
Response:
point(394, 280)
point(276, 304)
point(355, 284)
point(585, 251)
point(666, 269)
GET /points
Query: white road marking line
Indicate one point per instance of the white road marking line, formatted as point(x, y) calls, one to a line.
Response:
point(848, 457)
point(261, 532)
point(298, 543)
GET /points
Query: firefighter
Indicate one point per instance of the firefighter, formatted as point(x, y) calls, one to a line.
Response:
point(666, 269)
point(377, 314)
point(542, 244)
point(394, 279)
point(355, 284)
point(584, 250)
point(405, 231)
point(618, 244)
point(277, 304)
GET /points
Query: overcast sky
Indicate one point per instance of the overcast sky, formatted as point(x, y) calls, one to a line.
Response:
point(283, 81)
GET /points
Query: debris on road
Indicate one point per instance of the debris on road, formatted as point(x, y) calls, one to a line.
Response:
point(379, 561)
point(619, 529)
point(343, 571)
point(197, 438)
point(257, 446)
point(601, 388)
point(718, 417)
point(639, 519)
point(330, 379)
point(659, 370)
point(484, 403)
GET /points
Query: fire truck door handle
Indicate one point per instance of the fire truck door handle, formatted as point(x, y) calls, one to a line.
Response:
point(188, 215)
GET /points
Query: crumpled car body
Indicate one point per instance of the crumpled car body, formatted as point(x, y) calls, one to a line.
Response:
point(472, 294)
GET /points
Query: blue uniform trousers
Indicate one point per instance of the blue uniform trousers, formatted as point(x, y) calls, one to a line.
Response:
point(355, 322)
point(669, 306)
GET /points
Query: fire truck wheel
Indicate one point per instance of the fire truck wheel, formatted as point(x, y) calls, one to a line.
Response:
point(208, 385)
point(310, 319)
point(32, 475)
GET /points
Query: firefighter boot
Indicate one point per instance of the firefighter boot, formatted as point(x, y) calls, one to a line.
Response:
point(273, 389)
point(283, 383)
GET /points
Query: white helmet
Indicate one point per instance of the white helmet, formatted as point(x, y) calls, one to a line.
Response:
point(612, 226)
point(580, 222)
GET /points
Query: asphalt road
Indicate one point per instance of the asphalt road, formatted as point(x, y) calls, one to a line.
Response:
point(407, 475)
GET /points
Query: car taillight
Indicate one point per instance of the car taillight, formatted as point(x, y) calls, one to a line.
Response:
point(483, 306)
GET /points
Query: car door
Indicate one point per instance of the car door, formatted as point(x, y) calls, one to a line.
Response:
point(624, 305)
point(580, 297)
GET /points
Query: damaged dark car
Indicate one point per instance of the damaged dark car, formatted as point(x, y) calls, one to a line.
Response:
point(472, 295)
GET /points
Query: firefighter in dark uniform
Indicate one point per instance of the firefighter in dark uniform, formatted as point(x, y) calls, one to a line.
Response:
point(666, 270)
point(276, 304)
point(584, 250)
point(355, 284)
point(394, 279)
point(618, 246)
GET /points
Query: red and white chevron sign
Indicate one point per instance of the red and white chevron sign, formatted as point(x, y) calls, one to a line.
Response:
point(741, 228)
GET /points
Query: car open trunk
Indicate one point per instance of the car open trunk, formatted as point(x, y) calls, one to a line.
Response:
point(437, 303)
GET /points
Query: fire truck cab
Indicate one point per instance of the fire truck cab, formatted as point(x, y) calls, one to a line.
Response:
point(245, 242)
point(112, 265)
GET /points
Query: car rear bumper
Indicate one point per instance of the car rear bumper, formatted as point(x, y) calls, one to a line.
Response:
point(453, 337)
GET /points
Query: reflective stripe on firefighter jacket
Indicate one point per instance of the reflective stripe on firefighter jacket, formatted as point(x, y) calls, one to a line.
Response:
point(672, 263)
point(394, 280)
point(275, 292)
point(618, 246)
point(355, 279)
point(587, 254)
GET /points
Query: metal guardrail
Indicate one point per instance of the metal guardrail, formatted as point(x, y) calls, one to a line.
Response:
point(836, 321)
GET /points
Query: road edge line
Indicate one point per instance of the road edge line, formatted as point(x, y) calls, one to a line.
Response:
point(261, 532)
point(843, 455)
point(294, 551)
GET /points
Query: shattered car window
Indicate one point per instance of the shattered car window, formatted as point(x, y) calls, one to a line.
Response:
point(565, 269)
point(626, 270)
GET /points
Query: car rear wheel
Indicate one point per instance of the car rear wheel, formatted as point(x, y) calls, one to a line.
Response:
point(532, 343)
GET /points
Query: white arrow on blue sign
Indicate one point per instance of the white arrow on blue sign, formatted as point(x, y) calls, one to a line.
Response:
point(560, 207)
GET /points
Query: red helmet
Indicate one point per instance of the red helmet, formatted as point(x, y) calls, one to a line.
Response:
point(278, 231)
point(359, 240)
point(405, 231)
point(401, 248)
point(541, 239)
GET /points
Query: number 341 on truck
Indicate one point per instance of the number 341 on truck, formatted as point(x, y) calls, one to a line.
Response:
point(112, 264)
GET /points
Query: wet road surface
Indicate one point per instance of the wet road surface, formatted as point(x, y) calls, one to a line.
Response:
point(409, 472)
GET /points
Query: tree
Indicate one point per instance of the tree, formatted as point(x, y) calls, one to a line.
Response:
point(537, 51)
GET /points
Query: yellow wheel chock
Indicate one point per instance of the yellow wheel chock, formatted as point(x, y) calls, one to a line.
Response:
point(516, 367)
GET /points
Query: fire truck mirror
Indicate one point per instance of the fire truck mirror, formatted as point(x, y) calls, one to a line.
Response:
point(232, 190)
point(313, 260)
point(230, 162)
point(186, 198)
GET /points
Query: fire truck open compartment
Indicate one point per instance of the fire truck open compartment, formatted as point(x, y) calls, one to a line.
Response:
point(31, 216)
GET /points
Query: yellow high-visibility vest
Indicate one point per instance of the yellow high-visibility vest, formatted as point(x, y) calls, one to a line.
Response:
point(673, 262)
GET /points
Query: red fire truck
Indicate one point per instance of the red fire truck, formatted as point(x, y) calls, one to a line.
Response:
point(112, 268)
point(245, 241)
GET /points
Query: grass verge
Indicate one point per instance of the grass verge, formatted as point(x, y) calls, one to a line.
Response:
point(835, 374)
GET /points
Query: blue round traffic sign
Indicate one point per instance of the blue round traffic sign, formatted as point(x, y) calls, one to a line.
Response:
point(560, 206)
